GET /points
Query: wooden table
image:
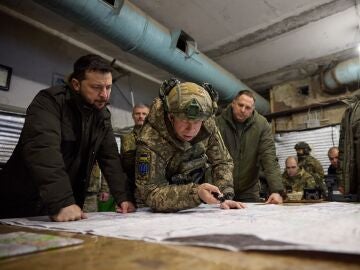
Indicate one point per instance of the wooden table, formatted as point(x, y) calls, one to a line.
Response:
point(111, 253)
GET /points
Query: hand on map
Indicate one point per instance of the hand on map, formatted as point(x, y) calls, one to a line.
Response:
point(126, 207)
point(275, 198)
point(69, 213)
point(230, 204)
point(205, 193)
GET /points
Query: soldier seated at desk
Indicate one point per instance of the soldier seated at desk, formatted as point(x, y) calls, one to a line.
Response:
point(295, 179)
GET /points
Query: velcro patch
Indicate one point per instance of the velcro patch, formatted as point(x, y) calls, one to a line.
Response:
point(144, 164)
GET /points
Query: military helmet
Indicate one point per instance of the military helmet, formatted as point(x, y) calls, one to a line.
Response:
point(188, 100)
point(303, 145)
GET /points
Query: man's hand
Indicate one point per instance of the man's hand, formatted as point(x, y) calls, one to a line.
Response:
point(126, 207)
point(204, 192)
point(275, 198)
point(104, 196)
point(230, 204)
point(69, 213)
point(341, 189)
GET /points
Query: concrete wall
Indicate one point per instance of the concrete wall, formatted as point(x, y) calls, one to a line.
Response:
point(304, 94)
point(38, 58)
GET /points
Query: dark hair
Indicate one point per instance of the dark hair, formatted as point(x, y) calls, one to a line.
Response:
point(90, 62)
point(246, 93)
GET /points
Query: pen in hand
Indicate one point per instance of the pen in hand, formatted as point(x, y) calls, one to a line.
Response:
point(220, 197)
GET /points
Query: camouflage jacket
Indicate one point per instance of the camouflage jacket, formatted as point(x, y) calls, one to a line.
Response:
point(128, 151)
point(97, 181)
point(313, 167)
point(298, 182)
point(166, 168)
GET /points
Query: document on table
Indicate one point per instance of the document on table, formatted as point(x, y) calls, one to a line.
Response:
point(329, 227)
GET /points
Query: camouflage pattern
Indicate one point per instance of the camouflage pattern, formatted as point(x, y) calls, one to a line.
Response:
point(298, 182)
point(189, 101)
point(168, 171)
point(97, 185)
point(313, 167)
point(127, 153)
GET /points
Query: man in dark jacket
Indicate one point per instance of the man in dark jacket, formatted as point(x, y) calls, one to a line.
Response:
point(66, 129)
point(247, 135)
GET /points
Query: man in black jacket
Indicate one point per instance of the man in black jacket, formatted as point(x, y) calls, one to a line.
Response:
point(66, 129)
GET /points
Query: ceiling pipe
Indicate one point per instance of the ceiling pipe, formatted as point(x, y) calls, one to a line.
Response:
point(344, 73)
point(77, 43)
point(133, 31)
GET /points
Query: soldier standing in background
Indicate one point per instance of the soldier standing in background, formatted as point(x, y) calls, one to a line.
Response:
point(311, 165)
point(174, 147)
point(247, 135)
point(128, 146)
point(98, 190)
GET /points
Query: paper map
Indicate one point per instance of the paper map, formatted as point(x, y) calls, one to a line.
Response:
point(17, 243)
point(329, 227)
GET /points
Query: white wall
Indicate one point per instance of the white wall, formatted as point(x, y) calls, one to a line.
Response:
point(36, 57)
point(320, 140)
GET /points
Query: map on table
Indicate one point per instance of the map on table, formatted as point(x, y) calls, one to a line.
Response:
point(324, 227)
point(17, 243)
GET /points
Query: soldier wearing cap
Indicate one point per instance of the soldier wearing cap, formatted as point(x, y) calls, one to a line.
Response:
point(310, 164)
point(175, 147)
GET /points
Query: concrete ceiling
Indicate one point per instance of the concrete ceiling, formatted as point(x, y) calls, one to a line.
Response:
point(261, 42)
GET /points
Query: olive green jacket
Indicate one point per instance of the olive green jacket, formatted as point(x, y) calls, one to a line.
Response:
point(251, 148)
point(162, 161)
point(348, 173)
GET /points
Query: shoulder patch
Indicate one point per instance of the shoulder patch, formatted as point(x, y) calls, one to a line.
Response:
point(143, 164)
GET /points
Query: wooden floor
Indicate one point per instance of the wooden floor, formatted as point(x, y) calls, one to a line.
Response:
point(110, 253)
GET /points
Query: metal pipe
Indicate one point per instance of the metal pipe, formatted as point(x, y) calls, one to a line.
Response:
point(76, 43)
point(133, 31)
point(344, 73)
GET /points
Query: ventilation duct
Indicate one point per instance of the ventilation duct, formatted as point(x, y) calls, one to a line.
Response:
point(344, 73)
point(133, 31)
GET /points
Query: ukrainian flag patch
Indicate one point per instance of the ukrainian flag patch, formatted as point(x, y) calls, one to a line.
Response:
point(143, 164)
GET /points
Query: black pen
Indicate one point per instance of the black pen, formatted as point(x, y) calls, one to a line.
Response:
point(220, 197)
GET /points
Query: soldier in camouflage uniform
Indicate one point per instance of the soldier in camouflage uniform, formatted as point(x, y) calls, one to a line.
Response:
point(174, 146)
point(128, 146)
point(311, 165)
point(97, 190)
point(295, 179)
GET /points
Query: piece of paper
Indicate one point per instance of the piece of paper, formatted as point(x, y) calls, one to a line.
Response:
point(326, 227)
point(17, 243)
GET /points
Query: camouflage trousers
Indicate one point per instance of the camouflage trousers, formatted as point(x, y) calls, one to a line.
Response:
point(91, 202)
